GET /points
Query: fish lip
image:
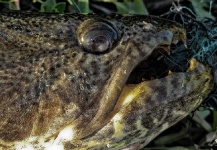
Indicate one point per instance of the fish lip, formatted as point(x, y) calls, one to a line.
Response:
point(108, 100)
point(118, 104)
point(166, 49)
point(131, 92)
point(160, 52)
point(179, 37)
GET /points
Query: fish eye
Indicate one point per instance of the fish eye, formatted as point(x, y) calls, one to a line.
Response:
point(96, 36)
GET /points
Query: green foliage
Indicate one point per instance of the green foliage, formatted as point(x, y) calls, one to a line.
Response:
point(122, 7)
point(82, 6)
point(199, 9)
point(131, 7)
point(51, 6)
point(12, 6)
point(10, 3)
point(74, 5)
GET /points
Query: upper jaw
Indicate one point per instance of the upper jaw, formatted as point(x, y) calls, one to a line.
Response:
point(109, 103)
point(155, 58)
point(161, 49)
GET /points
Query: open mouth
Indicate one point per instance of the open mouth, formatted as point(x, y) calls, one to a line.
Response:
point(124, 85)
point(154, 67)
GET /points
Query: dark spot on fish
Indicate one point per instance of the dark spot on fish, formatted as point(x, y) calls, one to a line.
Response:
point(147, 119)
point(149, 100)
point(58, 65)
point(52, 70)
point(69, 145)
point(74, 55)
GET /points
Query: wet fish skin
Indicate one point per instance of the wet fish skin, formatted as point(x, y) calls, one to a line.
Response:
point(48, 80)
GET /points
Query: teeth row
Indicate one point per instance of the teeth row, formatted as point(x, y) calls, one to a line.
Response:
point(175, 41)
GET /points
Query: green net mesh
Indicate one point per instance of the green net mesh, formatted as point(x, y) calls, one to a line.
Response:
point(201, 44)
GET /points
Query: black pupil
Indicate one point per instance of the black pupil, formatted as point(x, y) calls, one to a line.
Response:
point(100, 43)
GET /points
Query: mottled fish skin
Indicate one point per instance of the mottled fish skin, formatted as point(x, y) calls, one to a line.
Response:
point(163, 103)
point(48, 81)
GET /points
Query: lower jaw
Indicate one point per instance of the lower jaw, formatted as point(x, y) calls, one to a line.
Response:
point(131, 91)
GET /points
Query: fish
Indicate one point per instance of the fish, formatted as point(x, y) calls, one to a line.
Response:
point(64, 81)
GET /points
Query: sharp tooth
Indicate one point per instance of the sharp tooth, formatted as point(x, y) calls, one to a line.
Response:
point(170, 72)
point(159, 58)
point(183, 40)
point(185, 44)
point(175, 41)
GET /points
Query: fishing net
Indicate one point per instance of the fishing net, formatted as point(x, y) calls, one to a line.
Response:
point(201, 44)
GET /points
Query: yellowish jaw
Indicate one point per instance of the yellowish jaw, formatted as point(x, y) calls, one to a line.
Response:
point(144, 109)
point(131, 91)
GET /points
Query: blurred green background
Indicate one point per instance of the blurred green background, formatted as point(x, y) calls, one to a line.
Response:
point(203, 8)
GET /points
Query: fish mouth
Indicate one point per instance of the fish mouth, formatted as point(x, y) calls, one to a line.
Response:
point(121, 89)
point(154, 67)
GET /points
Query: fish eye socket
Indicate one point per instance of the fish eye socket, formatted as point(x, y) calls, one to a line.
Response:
point(96, 36)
